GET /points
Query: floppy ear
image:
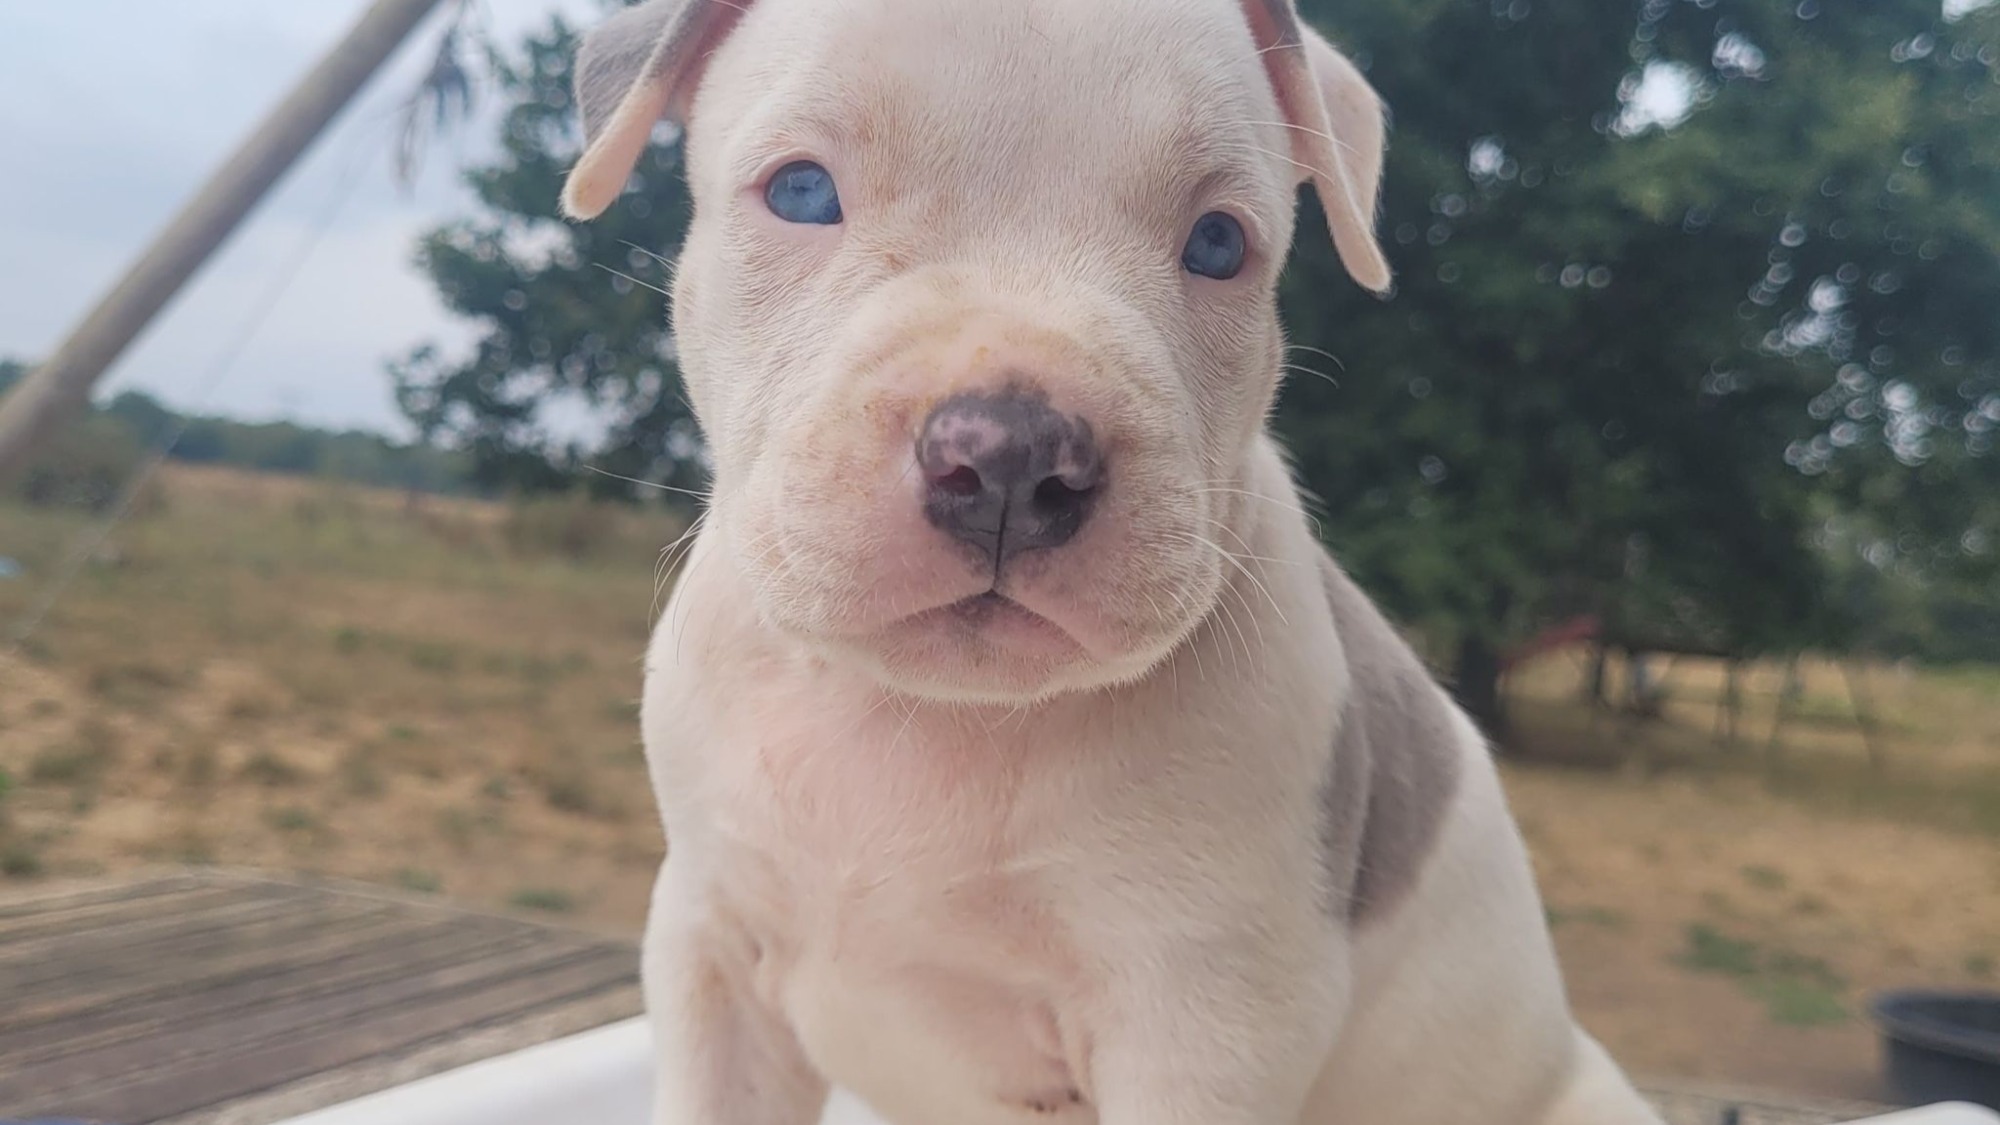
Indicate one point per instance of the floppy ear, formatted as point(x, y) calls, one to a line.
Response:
point(1337, 131)
point(638, 67)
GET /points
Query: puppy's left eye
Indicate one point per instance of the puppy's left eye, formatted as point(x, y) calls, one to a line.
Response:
point(803, 192)
point(1215, 248)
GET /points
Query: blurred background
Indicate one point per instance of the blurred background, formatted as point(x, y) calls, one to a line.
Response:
point(1673, 450)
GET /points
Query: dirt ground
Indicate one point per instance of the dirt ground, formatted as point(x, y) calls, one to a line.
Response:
point(440, 695)
point(1804, 918)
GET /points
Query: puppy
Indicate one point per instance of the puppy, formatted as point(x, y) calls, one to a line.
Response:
point(1023, 756)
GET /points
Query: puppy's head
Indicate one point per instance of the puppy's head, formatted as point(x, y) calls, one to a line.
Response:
point(977, 308)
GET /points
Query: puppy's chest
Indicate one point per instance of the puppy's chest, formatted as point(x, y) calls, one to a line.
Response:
point(899, 889)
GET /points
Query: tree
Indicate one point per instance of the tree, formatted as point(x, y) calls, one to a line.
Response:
point(1627, 363)
point(570, 312)
point(1696, 306)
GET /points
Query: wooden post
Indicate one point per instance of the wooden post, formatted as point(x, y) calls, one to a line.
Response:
point(1721, 732)
point(1593, 684)
point(1733, 699)
point(60, 388)
point(1785, 692)
point(1864, 712)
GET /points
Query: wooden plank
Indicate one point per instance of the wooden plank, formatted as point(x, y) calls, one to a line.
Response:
point(386, 954)
point(28, 930)
point(220, 1035)
point(184, 995)
point(168, 924)
point(435, 1056)
point(324, 949)
point(124, 890)
point(175, 946)
point(321, 1041)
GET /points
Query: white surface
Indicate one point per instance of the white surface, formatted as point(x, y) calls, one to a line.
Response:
point(601, 1076)
point(604, 1077)
point(1954, 1113)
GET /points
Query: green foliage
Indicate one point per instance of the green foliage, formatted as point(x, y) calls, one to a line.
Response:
point(1711, 951)
point(1630, 369)
point(81, 761)
point(571, 313)
point(285, 447)
point(1796, 990)
point(419, 880)
point(1765, 878)
point(271, 770)
point(85, 467)
point(1727, 379)
point(1793, 1002)
point(545, 899)
point(570, 525)
point(87, 464)
point(19, 860)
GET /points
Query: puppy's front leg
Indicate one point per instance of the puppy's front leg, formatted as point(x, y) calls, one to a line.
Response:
point(723, 1058)
point(1219, 1033)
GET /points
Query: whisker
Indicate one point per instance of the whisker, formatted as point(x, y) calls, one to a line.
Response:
point(1329, 138)
point(1313, 371)
point(907, 720)
point(1237, 593)
point(670, 557)
point(1293, 509)
point(1306, 168)
point(1245, 554)
point(633, 280)
point(1318, 352)
point(671, 263)
point(703, 496)
point(1223, 602)
point(863, 717)
point(1242, 641)
point(1194, 643)
point(1245, 571)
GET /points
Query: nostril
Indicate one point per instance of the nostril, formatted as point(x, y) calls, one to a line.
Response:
point(962, 481)
point(1055, 494)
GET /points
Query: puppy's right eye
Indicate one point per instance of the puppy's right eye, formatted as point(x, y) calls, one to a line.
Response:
point(1216, 248)
point(803, 192)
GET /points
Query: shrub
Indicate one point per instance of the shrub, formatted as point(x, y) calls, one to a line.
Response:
point(86, 466)
point(570, 525)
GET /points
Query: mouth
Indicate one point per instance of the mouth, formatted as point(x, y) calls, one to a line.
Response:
point(981, 608)
point(992, 619)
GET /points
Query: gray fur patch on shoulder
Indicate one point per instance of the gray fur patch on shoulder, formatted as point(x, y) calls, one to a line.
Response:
point(1395, 765)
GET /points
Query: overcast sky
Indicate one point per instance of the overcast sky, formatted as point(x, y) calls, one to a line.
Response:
point(112, 112)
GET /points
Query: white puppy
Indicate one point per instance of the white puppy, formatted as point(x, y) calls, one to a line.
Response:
point(1023, 756)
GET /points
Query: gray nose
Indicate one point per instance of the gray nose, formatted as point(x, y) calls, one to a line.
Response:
point(1006, 473)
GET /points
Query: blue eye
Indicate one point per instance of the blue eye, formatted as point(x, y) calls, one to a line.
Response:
point(1215, 248)
point(803, 192)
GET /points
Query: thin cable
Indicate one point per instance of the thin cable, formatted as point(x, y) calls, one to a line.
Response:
point(92, 538)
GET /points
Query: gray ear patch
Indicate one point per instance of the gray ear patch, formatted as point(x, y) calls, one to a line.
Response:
point(616, 52)
point(1395, 766)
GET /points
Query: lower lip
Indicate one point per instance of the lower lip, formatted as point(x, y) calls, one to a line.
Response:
point(999, 621)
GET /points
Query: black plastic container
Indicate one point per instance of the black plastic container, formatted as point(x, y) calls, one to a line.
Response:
point(1942, 1046)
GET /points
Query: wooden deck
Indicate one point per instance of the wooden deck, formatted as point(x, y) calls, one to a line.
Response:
point(232, 999)
point(1695, 1104)
point(216, 998)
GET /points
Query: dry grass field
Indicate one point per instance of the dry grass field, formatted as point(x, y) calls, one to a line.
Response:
point(440, 695)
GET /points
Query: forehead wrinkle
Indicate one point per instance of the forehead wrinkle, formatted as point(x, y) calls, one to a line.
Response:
point(970, 112)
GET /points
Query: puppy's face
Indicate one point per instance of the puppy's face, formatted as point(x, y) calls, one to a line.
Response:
point(976, 310)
